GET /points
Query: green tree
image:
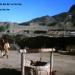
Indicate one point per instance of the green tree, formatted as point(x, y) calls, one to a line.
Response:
point(2, 28)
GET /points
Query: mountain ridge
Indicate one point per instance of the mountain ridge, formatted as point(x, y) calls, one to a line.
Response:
point(50, 20)
point(56, 18)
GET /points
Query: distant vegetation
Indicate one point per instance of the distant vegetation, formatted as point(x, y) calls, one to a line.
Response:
point(3, 28)
point(60, 43)
point(52, 24)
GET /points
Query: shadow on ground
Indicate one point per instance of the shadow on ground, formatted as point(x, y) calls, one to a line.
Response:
point(7, 71)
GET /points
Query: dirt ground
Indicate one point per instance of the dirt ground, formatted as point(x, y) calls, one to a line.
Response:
point(63, 64)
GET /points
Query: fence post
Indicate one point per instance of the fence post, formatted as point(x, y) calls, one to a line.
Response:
point(22, 64)
point(22, 51)
point(51, 61)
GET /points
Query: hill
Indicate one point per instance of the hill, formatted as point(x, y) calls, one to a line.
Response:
point(44, 20)
point(68, 16)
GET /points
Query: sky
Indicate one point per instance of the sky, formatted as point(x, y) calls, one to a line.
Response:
point(30, 9)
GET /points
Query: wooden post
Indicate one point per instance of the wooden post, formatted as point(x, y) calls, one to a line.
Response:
point(52, 59)
point(22, 64)
point(51, 62)
point(22, 51)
